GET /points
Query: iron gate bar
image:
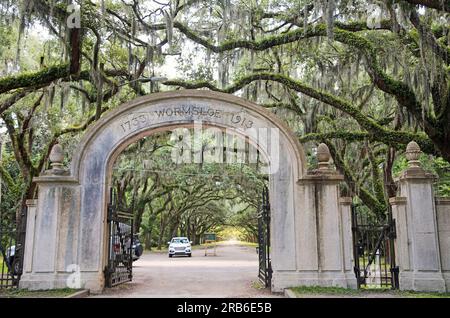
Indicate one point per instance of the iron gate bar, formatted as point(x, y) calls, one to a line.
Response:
point(377, 246)
point(12, 235)
point(7, 234)
point(392, 234)
point(265, 266)
point(120, 252)
point(376, 239)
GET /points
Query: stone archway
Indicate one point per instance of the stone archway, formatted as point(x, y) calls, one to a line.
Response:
point(311, 230)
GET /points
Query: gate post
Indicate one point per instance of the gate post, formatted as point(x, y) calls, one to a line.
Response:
point(325, 247)
point(417, 240)
point(52, 229)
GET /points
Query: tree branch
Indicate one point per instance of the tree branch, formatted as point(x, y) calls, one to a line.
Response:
point(441, 5)
point(378, 132)
point(43, 77)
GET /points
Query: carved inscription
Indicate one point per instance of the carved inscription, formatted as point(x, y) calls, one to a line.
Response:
point(236, 119)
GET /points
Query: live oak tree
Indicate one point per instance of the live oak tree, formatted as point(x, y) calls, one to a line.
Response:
point(365, 77)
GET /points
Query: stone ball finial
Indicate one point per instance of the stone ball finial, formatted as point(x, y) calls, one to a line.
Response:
point(57, 157)
point(413, 153)
point(323, 156)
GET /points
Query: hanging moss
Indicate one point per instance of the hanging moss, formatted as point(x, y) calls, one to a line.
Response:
point(376, 132)
point(402, 92)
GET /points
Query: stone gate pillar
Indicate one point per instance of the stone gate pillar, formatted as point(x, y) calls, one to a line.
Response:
point(325, 237)
point(52, 230)
point(417, 244)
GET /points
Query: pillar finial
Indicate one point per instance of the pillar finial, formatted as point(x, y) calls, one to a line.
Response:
point(413, 153)
point(57, 158)
point(323, 156)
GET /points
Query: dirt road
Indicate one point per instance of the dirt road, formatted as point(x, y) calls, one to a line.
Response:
point(232, 273)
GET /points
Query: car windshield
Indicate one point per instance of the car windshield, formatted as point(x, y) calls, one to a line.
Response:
point(177, 241)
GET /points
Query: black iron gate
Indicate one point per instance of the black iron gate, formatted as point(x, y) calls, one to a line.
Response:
point(374, 253)
point(120, 250)
point(265, 267)
point(12, 245)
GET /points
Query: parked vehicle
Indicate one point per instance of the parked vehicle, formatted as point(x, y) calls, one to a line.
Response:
point(180, 246)
point(138, 249)
point(124, 236)
point(12, 262)
point(10, 253)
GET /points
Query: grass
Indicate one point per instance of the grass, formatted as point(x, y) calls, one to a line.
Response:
point(317, 290)
point(373, 292)
point(257, 285)
point(413, 294)
point(24, 293)
point(249, 244)
point(165, 248)
point(218, 243)
point(202, 246)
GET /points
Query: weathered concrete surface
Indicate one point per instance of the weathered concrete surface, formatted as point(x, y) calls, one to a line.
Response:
point(232, 273)
point(417, 246)
point(324, 249)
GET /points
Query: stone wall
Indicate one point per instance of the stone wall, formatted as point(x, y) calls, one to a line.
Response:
point(443, 220)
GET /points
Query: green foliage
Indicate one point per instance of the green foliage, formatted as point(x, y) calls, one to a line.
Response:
point(436, 165)
point(441, 168)
point(187, 199)
point(46, 76)
point(311, 291)
point(365, 92)
point(24, 293)
point(12, 185)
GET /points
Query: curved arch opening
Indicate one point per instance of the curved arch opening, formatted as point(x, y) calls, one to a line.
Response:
point(230, 255)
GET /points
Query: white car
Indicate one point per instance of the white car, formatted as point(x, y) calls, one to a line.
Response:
point(180, 246)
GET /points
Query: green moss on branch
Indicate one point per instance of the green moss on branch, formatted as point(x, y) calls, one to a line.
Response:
point(274, 40)
point(9, 181)
point(345, 135)
point(376, 132)
point(345, 34)
point(44, 76)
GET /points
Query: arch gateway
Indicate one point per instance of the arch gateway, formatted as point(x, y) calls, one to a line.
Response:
point(66, 226)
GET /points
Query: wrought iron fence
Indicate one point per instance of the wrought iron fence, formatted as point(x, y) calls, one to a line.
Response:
point(12, 239)
point(374, 253)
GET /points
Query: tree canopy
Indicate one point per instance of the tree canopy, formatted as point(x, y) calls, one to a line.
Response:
point(363, 76)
